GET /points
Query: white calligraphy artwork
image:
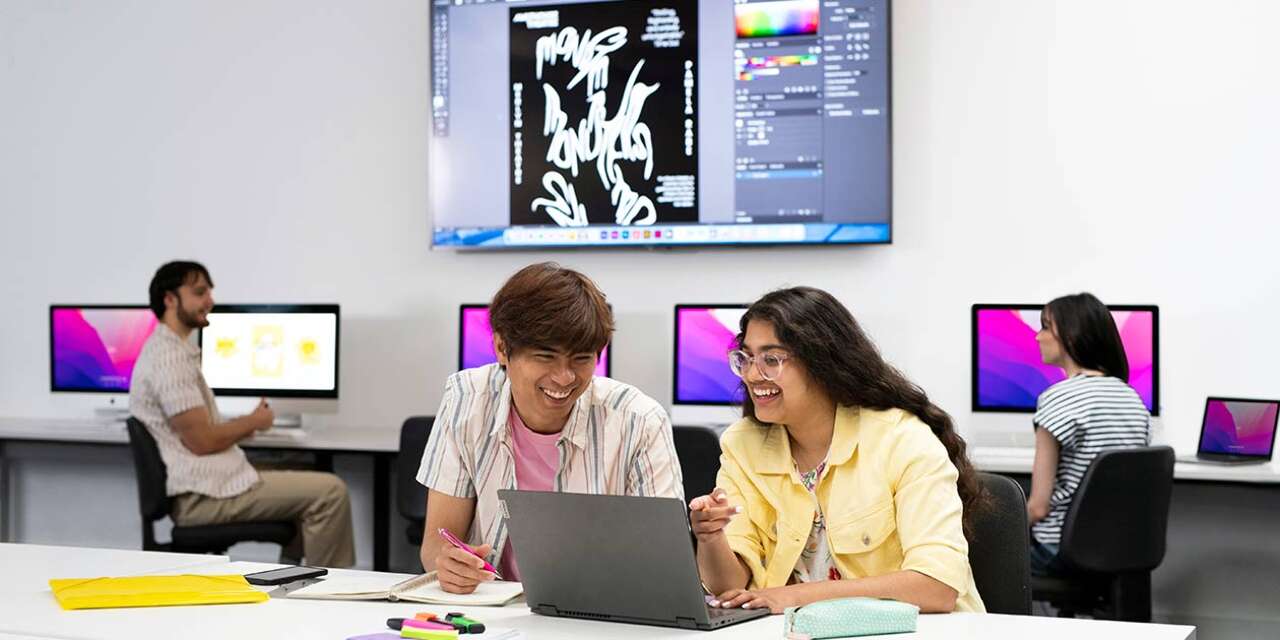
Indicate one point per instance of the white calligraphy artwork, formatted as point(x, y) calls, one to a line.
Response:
point(607, 141)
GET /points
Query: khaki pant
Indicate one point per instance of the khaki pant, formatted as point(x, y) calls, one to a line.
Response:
point(317, 502)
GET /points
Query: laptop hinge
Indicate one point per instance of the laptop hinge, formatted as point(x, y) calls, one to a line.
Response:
point(686, 623)
point(545, 609)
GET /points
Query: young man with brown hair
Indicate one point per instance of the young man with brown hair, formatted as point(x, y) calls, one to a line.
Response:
point(537, 420)
point(209, 478)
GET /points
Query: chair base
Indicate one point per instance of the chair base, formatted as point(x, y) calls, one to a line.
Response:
point(217, 538)
point(1122, 596)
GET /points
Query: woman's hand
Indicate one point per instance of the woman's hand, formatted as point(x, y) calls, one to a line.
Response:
point(710, 514)
point(775, 600)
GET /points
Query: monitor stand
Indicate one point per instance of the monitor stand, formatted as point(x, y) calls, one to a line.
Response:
point(287, 421)
point(716, 416)
point(115, 410)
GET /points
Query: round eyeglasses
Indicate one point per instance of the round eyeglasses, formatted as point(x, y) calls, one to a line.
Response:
point(769, 363)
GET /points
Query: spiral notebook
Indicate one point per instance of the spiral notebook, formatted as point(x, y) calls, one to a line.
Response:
point(423, 588)
point(153, 591)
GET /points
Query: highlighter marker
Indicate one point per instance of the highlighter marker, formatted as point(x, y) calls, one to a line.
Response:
point(428, 634)
point(428, 624)
point(465, 624)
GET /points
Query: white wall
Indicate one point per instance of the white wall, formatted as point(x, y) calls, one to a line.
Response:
point(1126, 147)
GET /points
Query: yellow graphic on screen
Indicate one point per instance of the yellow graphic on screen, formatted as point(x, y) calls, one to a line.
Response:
point(268, 351)
point(226, 347)
point(309, 351)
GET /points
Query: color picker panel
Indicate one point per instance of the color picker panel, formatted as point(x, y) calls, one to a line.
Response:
point(776, 19)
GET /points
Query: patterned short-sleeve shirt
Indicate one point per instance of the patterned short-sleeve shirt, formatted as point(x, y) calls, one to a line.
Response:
point(1086, 415)
point(617, 441)
point(166, 382)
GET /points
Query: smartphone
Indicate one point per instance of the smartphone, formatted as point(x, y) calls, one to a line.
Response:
point(286, 574)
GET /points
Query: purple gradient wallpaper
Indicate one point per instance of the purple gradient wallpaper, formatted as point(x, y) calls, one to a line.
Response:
point(476, 348)
point(95, 349)
point(1010, 375)
point(704, 338)
point(1241, 427)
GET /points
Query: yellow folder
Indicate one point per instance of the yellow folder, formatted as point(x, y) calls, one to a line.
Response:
point(153, 591)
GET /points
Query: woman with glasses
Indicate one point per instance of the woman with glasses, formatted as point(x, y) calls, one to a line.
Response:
point(842, 479)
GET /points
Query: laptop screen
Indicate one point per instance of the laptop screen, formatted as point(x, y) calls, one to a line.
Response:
point(1238, 427)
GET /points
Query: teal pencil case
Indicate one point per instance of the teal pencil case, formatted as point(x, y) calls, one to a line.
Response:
point(849, 618)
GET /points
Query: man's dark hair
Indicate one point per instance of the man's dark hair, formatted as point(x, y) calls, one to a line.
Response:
point(171, 276)
point(547, 306)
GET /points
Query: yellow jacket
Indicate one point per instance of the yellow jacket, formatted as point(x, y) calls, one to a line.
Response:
point(888, 493)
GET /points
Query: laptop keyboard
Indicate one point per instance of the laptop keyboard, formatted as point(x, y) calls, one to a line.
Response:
point(716, 613)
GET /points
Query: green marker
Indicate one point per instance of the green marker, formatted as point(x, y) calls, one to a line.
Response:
point(464, 624)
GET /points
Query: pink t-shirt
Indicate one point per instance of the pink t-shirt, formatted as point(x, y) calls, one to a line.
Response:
point(537, 459)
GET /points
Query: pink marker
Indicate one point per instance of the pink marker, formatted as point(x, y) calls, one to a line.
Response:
point(453, 540)
point(427, 624)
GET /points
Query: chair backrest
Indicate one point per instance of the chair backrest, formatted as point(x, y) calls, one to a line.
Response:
point(411, 497)
point(153, 501)
point(698, 449)
point(999, 553)
point(1120, 514)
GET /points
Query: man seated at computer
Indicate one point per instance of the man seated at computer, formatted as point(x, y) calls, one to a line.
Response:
point(536, 420)
point(209, 478)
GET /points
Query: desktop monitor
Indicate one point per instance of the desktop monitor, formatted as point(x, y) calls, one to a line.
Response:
point(704, 336)
point(92, 348)
point(627, 123)
point(475, 341)
point(1009, 376)
point(276, 350)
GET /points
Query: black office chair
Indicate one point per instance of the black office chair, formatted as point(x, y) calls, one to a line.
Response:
point(1113, 536)
point(698, 450)
point(1000, 552)
point(154, 504)
point(411, 497)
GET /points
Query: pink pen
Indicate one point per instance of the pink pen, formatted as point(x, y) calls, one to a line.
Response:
point(453, 540)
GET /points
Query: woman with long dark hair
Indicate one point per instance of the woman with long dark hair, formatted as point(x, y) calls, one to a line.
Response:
point(1091, 411)
point(842, 478)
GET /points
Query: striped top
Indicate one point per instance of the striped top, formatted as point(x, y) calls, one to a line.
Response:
point(1086, 415)
point(166, 382)
point(617, 441)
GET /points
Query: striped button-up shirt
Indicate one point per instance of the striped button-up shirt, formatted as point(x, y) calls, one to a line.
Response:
point(166, 382)
point(617, 441)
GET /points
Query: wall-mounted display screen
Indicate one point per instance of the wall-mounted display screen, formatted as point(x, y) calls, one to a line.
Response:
point(609, 123)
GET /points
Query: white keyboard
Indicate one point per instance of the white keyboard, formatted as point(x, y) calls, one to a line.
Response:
point(277, 434)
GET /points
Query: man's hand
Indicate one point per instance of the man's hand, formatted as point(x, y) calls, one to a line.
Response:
point(459, 571)
point(263, 417)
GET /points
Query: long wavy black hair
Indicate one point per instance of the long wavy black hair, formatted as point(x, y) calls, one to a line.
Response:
point(820, 332)
point(1088, 333)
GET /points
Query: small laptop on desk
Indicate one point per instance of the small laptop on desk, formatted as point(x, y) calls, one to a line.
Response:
point(611, 558)
point(1237, 431)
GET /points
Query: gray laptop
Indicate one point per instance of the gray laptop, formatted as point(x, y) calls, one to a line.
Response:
point(1237, 431)
point(611, 558)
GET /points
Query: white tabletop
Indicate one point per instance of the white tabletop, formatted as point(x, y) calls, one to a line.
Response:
point(374, 440)
point(32, 611)
point(1019, 459)
point(28, 567)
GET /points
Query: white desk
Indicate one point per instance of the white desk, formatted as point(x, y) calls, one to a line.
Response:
point(1017, 460)
point(32, 611)
point(28, 567)
point(381, 444)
